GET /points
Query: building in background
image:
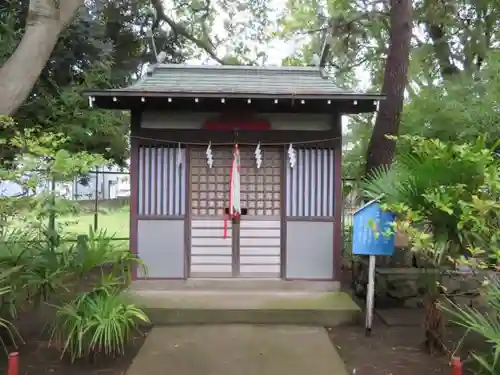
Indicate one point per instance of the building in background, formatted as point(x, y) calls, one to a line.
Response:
point(109, 182)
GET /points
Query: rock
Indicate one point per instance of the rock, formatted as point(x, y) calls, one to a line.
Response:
point(479, 302)
point(359, 290)
point(347, 264)
point(414, 302)
point(451, 286)
point(402, 258)
point(463, 301)
point(403, 286)
point(460, 283)
point(403, 289)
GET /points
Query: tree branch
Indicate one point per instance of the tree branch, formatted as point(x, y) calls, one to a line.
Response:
point(340, 27)
point(179, 29)
point(439, 37)
point(442, 50)
point(46, 20)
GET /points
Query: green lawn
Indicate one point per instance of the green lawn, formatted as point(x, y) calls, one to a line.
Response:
point(115, 222)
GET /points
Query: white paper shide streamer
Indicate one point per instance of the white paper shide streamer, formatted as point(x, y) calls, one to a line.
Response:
point(210, 157)
point(179, 156)
point(258, 156)
point(292, 156)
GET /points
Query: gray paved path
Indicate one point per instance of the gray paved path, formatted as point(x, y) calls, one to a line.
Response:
point(238, 350)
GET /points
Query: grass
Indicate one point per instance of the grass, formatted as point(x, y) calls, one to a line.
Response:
point(115, 222)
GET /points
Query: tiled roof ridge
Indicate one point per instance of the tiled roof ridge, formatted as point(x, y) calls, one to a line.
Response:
point(293, 68)
point(306, 70)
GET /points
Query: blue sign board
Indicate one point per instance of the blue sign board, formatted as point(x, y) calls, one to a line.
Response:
point(366, 240)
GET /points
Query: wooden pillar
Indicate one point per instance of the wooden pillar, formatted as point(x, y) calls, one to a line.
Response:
point(134, 185)
point(187, 213)
point(338, 204)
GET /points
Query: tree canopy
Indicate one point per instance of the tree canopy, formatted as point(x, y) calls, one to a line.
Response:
point(452, 80)
point(105, 46)
point(451, 77)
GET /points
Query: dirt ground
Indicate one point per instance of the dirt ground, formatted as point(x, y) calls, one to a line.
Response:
point(37, 358)
point(391, 350)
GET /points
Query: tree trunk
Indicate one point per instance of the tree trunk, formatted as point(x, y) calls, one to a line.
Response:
point(380, 149)
point(46, 20)
point(434, 324)
point(434, 13)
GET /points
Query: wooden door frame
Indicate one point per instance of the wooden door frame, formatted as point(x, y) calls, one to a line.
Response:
point(235, 227)
point(235, 250)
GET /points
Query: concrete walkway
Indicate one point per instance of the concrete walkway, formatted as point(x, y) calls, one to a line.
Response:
point(238, 350)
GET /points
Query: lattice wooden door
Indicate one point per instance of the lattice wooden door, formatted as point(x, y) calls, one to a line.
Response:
point(252, 248)
point(259, 240)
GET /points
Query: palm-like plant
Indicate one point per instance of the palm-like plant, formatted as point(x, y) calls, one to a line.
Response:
point(96, 322)
point(95, 252)
point(426, 188)
point(125, 262)
point(485, 324)
point(6, 326)
point(425, 170)
point(100, 251)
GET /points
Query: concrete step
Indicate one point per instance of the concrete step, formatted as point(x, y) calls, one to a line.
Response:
point(326, 309)
point(236, 284)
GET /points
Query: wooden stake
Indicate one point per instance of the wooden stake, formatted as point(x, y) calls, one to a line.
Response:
point(13, 366)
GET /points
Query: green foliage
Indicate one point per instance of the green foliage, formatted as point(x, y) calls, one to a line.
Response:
point(45, 274)
point(486, 324)
point(358, 44)
point(99, 252)
point(9, 36)
point(6, 290)
point(446, 199)
point(28, 273)
point(452, 89)
point(66, 111)
point(445, 196)
point(39, 159)
point(33, 270)
point(355, 143)
point(95, 252)
point(105, 46)
point(361, 33)
point(38, 266)
point(460, 109)
point(96, 322)
point(42, 270)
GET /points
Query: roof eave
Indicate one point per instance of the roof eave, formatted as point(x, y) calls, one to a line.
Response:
point(183, 94)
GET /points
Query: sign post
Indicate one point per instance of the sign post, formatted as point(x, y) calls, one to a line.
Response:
point(370, 295)
point(372, 236)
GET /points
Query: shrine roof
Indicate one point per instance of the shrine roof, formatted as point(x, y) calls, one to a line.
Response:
point(236, 81)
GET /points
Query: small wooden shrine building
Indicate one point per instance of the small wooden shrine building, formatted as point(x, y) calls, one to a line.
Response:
point(285, 195)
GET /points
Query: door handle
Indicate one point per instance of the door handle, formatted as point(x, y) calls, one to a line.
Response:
point(244, 211)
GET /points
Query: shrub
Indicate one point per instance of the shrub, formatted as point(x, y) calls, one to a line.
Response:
point(6, 326)
point(445, 197)
point(485, 324)
point(47, 273)
point(96, 322)
point(100, 251)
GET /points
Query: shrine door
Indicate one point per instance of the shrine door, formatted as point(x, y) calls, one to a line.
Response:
point(252, 247)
